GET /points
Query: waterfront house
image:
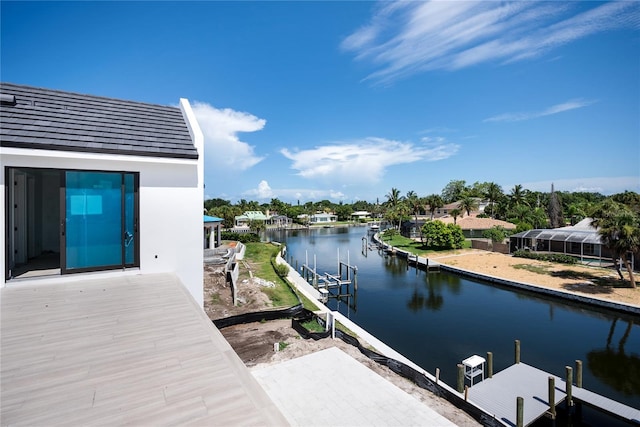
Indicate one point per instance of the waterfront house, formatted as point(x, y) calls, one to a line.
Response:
point(242, 221)
point(472, 226)
point(102, 318)
point(323, 218)
point(279, 221)
point(97, 184)
point(580, 240)
point(361, 216)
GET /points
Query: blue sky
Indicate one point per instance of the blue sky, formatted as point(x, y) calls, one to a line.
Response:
point(305, 101)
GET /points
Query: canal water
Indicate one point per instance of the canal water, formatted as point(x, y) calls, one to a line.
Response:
point(437, 319)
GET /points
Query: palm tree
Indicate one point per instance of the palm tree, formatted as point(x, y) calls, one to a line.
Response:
point(468, 204)
point(434, 202)
point(393, 197)
point(494, 191)
point(393, 201)
point(257, 225)
point(539, 217)
point(517, 197)
point(575, 213)
point(455, 213)
point(619, 230)
point(521, 213)
point(414, 203)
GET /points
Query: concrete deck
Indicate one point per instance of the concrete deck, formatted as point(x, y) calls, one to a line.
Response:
point(330, 387)
point(132, 349)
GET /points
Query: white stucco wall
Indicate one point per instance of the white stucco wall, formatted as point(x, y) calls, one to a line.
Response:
point(171, 201)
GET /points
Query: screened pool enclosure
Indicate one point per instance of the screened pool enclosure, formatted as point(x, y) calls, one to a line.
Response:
point(582, 242)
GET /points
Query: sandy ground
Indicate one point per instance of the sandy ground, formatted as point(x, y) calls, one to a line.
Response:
point(590, 281)
point(254, 342)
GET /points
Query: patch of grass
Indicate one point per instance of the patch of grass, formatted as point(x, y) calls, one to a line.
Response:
point(417, 248)
point(313, 326)
point(539, 269)
point(345, 329)
point(259, 255)
point(596, 279)
point(307, 303)
point(215, 298)
point(282, 345)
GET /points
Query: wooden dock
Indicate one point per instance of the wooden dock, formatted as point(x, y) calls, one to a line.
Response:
point(605, 404)
point(332, 281)
point(497, 396)
point(423, 263)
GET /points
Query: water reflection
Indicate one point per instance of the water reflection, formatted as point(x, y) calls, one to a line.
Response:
point(436, 288)
point(437, 319)
point(613, 366)
point(395, 266)
point(433, 301)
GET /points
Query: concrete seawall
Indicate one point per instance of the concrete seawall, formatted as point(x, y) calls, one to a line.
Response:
point(529, 287)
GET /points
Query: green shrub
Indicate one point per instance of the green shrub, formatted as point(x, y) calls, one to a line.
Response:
point(313, 326)
point(240, 237)
point(281, 269)
point(523, 226)
point(496, 233)
point(551, 257)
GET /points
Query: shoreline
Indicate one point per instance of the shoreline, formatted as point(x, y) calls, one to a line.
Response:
point(541, 290)
point(511, 283)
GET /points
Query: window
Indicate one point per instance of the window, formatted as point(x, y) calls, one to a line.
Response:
point(66, 221)
point(100, 220)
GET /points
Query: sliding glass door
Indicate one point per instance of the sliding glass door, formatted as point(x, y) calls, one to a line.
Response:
point(99, 221)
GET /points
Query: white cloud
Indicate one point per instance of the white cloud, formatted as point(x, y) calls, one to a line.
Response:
point(554, 109)
point(264, 192)
point(363, 161)
point(603, 185)
point(409, 37)
point(223, 149)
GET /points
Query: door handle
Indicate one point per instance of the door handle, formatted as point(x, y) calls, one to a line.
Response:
point(128, 238)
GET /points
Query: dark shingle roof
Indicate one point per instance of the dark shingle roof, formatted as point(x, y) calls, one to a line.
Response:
point(55, 120)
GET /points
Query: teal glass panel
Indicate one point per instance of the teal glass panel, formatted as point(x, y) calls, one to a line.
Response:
point(93, 219)
point(129, 219)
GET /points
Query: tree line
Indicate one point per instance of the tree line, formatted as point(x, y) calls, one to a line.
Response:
point(525, 208)
point(617, 216)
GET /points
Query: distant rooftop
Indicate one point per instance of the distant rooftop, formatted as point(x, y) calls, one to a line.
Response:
point(49, 119)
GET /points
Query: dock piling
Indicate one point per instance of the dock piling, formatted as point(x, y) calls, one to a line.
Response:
point(489, 364)
point(552, 397)
point(569, 383)
point(519, 412)
point(517, 351)
point(460, 378)
point(579, 373)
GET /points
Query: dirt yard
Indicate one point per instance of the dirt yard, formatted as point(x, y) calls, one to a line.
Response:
point(588, 281)
point(254, 342)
